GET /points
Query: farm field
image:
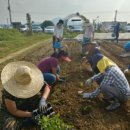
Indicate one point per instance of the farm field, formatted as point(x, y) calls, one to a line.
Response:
point(65, 98)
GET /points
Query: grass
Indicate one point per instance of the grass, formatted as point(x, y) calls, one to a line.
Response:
point(12, 41)
point(68, 34)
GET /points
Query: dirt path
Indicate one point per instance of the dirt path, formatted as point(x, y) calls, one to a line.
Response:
point(24, 50)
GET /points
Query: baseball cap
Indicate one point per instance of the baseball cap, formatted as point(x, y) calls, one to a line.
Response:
point(64, 55)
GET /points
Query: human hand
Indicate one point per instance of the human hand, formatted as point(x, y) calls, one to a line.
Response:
point(86, 95)
point(126, 70)
point(61, 79)
point(89, 82)
point(84, 59)
point(42, 105)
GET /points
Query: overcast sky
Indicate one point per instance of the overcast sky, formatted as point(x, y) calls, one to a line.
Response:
point(41, 10)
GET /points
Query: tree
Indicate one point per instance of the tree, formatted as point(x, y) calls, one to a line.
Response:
point(47, 23)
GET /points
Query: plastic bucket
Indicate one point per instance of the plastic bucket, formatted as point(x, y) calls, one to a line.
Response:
point(57, 45)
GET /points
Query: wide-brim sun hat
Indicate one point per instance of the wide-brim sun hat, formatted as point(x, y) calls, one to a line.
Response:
point(22, 79)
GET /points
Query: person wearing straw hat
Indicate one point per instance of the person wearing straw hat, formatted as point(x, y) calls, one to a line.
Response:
point(50, 66)
point(24, 94)
point(113, 84)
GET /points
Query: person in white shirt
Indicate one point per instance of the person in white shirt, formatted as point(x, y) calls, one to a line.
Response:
point(88, 36)
point(58, 35)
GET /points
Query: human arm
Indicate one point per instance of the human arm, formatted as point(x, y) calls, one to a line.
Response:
point(97, 76)
point(61, 33)
point(94, 78)
point(46, 91)
point(93, 36)
point(54, 71)
point(12, 108)
point(54, 38)
point(44, 96)
point(92, 94)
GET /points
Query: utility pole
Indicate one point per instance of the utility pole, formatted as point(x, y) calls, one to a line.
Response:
point(29, 24)
point(115, 16)
point(9, 11)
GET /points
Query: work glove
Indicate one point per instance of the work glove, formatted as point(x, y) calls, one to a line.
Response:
point(42, 105)
point(126, 70)
point(61, 79)
point(86, 95)
point(89, 82)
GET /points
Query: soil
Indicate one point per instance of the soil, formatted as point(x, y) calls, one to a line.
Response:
point(83, 114)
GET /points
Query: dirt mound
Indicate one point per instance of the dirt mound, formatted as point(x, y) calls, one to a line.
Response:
point(83, 114)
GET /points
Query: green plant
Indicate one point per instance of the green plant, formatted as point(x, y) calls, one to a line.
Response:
point(81, 71)
point(11, 40)
point(86, 109)
point(53, 123)
point(81, 84)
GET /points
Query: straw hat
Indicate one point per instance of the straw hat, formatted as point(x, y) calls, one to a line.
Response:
point(22, 79)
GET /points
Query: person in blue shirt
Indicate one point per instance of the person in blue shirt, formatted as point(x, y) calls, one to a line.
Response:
point(127, 49)
point(116, 31)
point(127, 46)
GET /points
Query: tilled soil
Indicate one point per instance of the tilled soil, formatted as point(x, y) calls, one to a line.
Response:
point(82, 113)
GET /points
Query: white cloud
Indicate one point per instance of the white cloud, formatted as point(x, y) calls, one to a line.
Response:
point(49, 9)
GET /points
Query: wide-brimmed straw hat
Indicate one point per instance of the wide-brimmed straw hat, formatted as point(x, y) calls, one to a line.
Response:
point(22, 79)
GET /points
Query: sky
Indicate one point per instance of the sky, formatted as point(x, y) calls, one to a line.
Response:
point(40, 10)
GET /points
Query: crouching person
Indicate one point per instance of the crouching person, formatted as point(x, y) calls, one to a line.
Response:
point(114, 85)
point(22, 99)
point(50, 67)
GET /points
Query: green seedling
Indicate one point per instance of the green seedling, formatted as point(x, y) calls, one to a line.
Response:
point(58, 101)
point(86, 110)
point(81, 71)
point(58, 90)
point(81, 84)
point(53, 123)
